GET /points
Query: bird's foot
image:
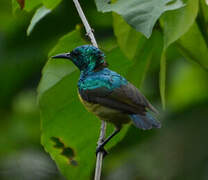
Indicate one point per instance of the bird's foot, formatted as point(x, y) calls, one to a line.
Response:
point(100, 148)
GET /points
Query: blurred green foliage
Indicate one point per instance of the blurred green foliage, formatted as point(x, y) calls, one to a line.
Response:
point(69, 133)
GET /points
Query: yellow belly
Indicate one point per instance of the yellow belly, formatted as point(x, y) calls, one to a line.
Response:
point(107, 114)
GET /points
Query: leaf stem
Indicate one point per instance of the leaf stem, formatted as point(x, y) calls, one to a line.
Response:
point(90, 34)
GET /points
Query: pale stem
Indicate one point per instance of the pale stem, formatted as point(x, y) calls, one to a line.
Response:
point(90, 34)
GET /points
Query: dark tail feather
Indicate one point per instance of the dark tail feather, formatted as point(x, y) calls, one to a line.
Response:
point(145, 122)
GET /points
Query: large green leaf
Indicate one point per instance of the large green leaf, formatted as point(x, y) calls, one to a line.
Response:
point(129, 40)
point(54, 71)
point(69, 132)
point(175, 23)
point(141, 14)
point(193, 46)
point(178, 22)
point(135, 46)
point(39, 14)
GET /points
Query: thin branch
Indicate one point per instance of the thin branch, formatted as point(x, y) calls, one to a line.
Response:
point(99, 160)
point(86, 24)
point(90, 34)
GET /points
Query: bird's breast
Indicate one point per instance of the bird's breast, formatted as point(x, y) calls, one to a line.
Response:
point(97, 109)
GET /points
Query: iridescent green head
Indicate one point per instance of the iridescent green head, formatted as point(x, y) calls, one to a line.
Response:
point(86, 58)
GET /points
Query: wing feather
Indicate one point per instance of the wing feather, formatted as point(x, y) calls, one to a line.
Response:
point(126, 98)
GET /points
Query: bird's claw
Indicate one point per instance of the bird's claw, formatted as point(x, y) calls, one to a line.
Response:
point(101, 149)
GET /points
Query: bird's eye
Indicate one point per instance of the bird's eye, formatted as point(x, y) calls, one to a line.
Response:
point(75, 53)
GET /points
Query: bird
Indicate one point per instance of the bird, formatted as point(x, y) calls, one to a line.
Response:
point(109, 95)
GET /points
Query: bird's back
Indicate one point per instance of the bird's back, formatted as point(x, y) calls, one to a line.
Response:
point(104, 78)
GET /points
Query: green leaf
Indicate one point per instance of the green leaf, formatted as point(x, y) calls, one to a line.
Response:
point(68, 42)
point(65, 120)
point(51, 4)
point(178, 22)
point(202, 19)
point(193, 46)
point(136, 47)
point(39, 14)
point(129, 40)
point(163, 77)
point(175, 23)
point(140, 65)
point(29, 5)
point(143, 58)
point(55, 70)
point(69, 131)
point(204, 9)
point(140, 14)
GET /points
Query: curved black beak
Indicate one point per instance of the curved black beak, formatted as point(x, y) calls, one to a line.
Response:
point(63, 56)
